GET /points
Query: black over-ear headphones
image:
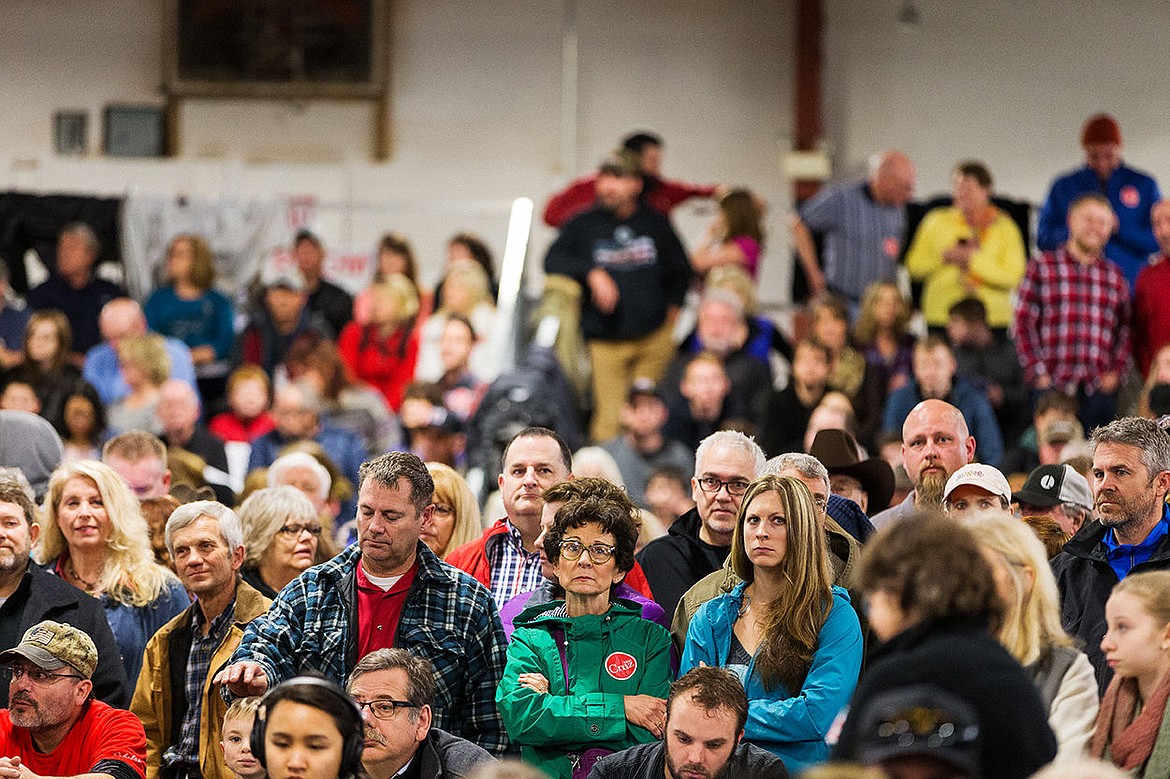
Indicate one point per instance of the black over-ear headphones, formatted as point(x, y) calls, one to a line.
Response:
point(355, 738)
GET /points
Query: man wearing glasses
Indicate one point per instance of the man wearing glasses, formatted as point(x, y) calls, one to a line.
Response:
point(53, 726)
point(179, 708)
point(396, 693)
point(698, 543)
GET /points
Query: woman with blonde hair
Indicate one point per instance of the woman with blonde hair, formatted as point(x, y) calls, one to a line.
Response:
point(145, 366)
point(882, 333)
point(466, 292)
point(93, 536)
point(1031, 629)
point(786, 631)
point(455, 519)
point(384, 351)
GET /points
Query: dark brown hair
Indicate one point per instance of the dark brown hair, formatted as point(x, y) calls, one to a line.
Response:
point(712, 688)
point(610, 515)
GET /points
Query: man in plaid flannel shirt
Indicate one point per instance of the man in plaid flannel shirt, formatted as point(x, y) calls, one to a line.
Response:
point(1072, 325)
point(389, 590)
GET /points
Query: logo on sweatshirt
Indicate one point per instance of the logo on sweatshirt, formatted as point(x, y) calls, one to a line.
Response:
point(620, 666)
point(1130, 196)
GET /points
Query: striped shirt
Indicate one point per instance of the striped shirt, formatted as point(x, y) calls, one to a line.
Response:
point(862, 238)
point(514, 569)
point(1072, 320)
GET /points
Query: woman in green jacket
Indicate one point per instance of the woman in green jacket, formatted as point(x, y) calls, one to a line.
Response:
point(585, 676)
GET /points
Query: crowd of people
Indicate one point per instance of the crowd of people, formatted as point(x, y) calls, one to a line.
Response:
point(237, 538)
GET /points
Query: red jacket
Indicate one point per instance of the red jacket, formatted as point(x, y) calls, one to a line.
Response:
point(581, 194)
point(472, 559)
point(385, 363)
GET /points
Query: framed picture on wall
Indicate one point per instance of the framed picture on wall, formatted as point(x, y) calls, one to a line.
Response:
point(70, 130)
point(274, 48)
point(133, 131)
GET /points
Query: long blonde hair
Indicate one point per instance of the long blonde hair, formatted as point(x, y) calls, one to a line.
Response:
point(793, 626)
point(451, 488)
point(1031, 623)
point(130, 574)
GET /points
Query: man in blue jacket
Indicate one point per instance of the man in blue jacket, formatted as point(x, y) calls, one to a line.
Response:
point(1131, 193)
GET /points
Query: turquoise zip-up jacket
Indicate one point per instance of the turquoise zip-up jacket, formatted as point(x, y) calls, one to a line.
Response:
point(791, 726)
point(609, 656)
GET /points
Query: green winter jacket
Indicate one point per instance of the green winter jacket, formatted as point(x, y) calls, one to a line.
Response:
point(608, 656)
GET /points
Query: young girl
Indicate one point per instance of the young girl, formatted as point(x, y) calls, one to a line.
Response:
point(1133, 730)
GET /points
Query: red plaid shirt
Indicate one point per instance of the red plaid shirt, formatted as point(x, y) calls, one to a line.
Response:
point(1072, 320)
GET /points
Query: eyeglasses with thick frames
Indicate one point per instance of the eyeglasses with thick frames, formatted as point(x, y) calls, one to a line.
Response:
point(35, 675)
point(599, 553)
point(734, 486)
point(294, 530)
point(384, 708)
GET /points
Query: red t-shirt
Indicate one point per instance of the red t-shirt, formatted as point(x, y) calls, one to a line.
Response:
point(379, 610)
point(101, 734)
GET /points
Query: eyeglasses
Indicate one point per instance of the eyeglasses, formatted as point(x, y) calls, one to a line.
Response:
point(384, 708)
point(711, 484)
point(35, 675)
point(598, 553)
point(294, 530)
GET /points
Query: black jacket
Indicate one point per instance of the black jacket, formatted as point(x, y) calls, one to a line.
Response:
point(648, 761)
point(960, 656)
point(1086, 580)
point(41, 596)
point(443, 756)
point(674, 562)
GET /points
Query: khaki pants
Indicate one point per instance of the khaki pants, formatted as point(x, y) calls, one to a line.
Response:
point(615, 366)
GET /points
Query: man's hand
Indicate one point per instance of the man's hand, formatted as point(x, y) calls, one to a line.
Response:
point(603, 289)
point(244, 679)
point(646, 711)
point(10, 768)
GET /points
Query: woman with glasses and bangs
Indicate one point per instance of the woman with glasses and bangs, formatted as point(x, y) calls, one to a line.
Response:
point(281, 534)
point(585, 676)
point(790, 636)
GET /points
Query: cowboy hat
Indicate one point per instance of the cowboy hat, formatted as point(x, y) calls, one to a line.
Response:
point(839, 453)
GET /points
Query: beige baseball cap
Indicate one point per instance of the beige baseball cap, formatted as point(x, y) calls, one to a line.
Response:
point(53, 645)
point(980, 475)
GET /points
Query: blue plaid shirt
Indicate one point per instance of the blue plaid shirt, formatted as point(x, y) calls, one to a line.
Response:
point(186, 752)
point(514, 569)
point(448, 618)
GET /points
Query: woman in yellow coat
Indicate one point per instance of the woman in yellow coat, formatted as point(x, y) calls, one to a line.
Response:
point(968, 249)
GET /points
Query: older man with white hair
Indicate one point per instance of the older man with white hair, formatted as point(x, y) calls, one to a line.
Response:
point(303, 471)
point(180, 709)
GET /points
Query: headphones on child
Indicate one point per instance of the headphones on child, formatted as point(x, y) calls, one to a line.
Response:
point(355, 738)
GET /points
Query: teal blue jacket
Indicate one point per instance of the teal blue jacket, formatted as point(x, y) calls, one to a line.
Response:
point(791, 726)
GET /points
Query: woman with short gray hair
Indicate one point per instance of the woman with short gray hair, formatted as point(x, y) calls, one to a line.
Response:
point(281, 533)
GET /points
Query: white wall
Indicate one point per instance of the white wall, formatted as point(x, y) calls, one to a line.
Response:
point(1006, 81)
point(476, 116)
point(475, 111)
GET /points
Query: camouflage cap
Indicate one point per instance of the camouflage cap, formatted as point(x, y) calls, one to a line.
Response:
point(53, 645)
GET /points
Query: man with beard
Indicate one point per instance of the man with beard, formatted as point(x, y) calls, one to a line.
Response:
point(1131, 476)
point(1072, 327)
point(705, 715)
point(30, 594)
point(52, 726)
point(935, 443)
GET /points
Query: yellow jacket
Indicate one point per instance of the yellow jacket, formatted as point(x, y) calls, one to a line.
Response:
point(996, 268)
point(153, 694)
